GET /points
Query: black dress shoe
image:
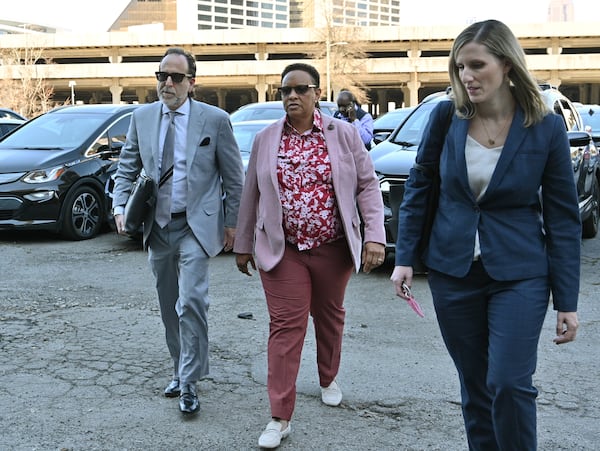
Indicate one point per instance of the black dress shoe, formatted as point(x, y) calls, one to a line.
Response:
point(173, 390)
point(188, 401)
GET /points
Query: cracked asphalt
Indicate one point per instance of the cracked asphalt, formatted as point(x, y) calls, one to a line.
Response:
point(83, 361)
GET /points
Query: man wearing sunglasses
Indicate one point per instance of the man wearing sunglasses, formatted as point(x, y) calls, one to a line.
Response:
point(349, 111)
point(189, 147)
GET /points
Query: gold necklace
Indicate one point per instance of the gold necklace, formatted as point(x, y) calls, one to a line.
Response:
point(491, 141)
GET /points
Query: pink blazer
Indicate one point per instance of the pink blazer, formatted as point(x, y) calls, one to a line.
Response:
point(259, 226)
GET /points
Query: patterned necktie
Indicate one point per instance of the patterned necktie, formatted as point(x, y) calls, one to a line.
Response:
point(163, 200)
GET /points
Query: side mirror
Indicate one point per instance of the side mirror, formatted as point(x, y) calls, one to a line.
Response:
point(579, 139)
point(381, 136)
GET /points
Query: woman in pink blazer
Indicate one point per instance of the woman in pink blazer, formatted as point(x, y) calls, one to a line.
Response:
point(311, 211)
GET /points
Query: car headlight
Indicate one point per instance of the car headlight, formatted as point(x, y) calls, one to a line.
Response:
point(40, 196)
point(44, 175)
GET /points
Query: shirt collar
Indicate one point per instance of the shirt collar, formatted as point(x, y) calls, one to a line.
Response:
point(317, 121)
point(184, 108)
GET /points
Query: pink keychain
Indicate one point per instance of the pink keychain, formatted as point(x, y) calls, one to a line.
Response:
point(411, 300)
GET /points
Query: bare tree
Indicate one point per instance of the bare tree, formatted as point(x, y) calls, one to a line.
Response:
point(346, 55)
point(25, 92)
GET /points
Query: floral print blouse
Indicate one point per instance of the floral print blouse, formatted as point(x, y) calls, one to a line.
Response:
point(310, 213)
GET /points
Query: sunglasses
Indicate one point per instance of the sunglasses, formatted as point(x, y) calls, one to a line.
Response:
point(175, 77)
point(300, 89)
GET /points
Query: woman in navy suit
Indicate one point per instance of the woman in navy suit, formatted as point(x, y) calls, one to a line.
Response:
point(495, 255)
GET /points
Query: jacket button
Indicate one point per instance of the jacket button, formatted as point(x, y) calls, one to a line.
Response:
point(476, 208)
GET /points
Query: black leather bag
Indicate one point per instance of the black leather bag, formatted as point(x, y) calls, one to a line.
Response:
point(433, 195)
point(433, 199)
point(141, 200)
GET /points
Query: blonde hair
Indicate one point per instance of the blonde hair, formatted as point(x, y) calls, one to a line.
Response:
point(501, 42)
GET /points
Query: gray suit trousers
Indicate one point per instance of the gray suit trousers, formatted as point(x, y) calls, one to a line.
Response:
point(180, 267)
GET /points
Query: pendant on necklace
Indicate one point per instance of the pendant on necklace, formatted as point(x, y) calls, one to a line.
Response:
point(491, 142)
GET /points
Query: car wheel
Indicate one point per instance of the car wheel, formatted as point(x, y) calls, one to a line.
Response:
point(590, 225)
point(82, 218)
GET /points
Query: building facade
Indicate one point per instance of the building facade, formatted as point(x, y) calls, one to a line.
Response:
point(235, 67)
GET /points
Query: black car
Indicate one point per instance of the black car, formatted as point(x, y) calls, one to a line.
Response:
point(394, 157)
point(53, 169)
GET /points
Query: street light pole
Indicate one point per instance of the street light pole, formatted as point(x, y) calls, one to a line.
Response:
point(327, 64)
point(72, 84)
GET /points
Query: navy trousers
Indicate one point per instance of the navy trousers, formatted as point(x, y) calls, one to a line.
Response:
point(491, 330)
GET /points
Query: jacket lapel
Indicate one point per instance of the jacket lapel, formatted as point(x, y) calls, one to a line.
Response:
point(272, 144)
point(154, 117)
point(195, 130)
point(516, 135)
point(457, 136)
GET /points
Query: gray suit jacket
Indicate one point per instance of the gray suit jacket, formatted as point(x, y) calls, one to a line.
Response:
point(215, 174)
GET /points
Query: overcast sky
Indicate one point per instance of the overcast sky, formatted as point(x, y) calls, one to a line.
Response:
point(81, 15)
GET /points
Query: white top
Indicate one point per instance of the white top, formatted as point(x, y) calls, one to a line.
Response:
point(481, 163)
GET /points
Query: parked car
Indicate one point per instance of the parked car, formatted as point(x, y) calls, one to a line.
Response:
point(245, 132)
point(590, 115)
point(271, 110)
point(394, 157)
point(7, 113)
point(54, 168)
point(8, 125)
point(385, 124)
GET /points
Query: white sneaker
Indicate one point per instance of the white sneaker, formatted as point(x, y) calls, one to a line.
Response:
point(332, 395)
point(272, 435)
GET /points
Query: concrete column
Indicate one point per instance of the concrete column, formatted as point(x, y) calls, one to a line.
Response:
point(382, 106)
point(114, 57)
point(554, 79)
point(142, 94)
point(221, 98)
point(413, 90)
point(116, 92)
point(594, 93)
point(262, 54)
point(406, 94)
point(261, 88)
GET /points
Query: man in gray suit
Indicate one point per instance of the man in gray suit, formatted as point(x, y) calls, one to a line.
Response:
point(195, 213)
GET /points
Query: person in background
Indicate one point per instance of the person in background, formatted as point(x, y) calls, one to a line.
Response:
point(309, 185)
point(190, 222)
point(350, 111)
point(506, 234)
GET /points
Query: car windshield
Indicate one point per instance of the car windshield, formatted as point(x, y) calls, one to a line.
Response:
point(591, 117)
point(245, 134)
point(54, 131)
point(412, 129)
point(391, 119)
point(251, 114)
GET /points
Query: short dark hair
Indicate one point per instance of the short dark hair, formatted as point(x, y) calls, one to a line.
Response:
point(311, 70)
point(346, 93)
point(191, 59)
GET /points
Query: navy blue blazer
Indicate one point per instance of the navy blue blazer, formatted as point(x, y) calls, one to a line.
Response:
point(518, 238)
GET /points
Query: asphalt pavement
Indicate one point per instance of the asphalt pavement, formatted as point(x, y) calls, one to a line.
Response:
point(83, 361)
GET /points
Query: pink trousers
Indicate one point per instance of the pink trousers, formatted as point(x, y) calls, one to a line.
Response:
point(304, 282)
